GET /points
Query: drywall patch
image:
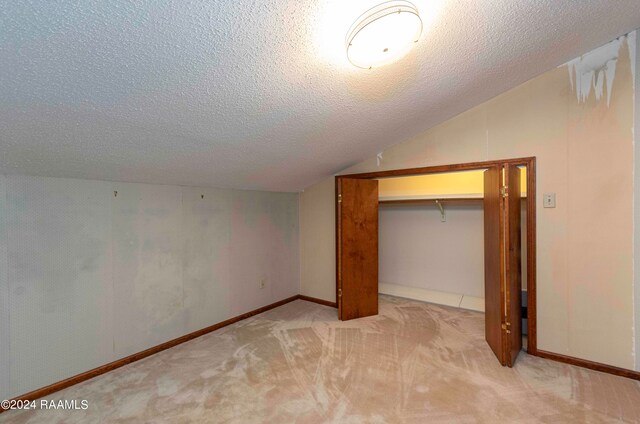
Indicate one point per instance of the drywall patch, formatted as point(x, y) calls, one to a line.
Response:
point(379, 158)
point(597, 68)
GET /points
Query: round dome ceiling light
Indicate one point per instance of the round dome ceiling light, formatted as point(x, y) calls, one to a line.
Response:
point(383, 34)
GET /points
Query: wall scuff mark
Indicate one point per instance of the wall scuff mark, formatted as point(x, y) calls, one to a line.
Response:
point(598, 67)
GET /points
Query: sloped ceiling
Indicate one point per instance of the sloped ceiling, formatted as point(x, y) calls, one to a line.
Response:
point(256, 94)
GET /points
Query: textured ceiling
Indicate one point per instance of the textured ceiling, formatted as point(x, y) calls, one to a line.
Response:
point(256, 94)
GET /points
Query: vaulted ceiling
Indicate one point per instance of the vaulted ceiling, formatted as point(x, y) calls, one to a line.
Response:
point(256, 94)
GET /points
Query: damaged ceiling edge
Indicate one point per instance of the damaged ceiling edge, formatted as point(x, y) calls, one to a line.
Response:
point(598, 67)
point(592, 71)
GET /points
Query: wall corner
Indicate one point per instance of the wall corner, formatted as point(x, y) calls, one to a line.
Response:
point(634, 48)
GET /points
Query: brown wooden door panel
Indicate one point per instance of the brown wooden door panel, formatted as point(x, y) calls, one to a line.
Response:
point(493, 262)
point(513, 265)
point(357, 248)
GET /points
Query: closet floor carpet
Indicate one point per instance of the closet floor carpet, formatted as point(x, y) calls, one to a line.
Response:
point(413, 363)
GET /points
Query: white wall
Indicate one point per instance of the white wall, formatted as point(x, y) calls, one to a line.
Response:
point(418, 250)
point(87, 277)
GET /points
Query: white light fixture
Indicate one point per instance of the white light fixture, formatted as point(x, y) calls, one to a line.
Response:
point(383, 34)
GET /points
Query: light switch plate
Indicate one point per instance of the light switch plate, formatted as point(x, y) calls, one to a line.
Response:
point(549, 200)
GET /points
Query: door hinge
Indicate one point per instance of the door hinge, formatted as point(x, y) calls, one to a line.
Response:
point(339, 292)
point(339, 198)
point(504, 191)
point(505, 327)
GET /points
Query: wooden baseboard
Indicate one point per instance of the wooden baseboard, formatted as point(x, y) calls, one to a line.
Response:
point(60, 385)
point(44, 391)
point(316, 300)
point(597, 366)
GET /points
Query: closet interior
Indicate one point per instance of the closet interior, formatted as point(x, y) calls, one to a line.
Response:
point(431, 238)
point(460, 235)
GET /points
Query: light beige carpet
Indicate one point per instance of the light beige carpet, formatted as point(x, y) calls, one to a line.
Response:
point(413, 363)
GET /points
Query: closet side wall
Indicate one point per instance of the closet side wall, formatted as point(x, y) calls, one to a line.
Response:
point(420, 251)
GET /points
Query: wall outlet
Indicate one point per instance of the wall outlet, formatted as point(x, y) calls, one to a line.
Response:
point(549, 200)
point(263, 283)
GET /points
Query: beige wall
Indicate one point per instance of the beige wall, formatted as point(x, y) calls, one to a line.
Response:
point(318, 241)
point(585, 244)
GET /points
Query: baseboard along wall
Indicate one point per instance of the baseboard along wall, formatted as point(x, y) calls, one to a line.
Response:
point(60, 385)
point(63, 384)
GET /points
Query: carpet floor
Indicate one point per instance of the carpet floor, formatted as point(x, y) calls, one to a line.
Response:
point(413, 363)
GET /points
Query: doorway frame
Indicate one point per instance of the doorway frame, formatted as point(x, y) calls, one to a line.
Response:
point(530, 164)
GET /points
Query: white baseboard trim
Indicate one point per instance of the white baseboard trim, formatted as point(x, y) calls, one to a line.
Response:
point(472, 303)
point(432, 296)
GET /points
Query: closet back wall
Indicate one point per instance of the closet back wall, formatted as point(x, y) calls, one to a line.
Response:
point(88, 277)
point(418, 250)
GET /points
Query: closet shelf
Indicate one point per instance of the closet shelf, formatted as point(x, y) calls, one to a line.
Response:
point(461, 199)
point(444, 201)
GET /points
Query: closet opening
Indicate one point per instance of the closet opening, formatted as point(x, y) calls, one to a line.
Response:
point(431, 238)
point(458, 235)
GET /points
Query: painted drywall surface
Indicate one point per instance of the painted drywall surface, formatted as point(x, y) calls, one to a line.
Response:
point(92, 277)
point(585, 306)
point(60, 279)
point(147, 268)
point(317, 244)
point(264, 247)
point(600, 172)
point(418, 250)
point(449, 184)
point(454, 183)
point(206, 256)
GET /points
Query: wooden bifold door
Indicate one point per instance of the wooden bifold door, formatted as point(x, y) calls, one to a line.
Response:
point(502, 279)
point(357, 250)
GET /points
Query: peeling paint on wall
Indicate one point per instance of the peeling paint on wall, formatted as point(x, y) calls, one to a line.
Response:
point(597, 68)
